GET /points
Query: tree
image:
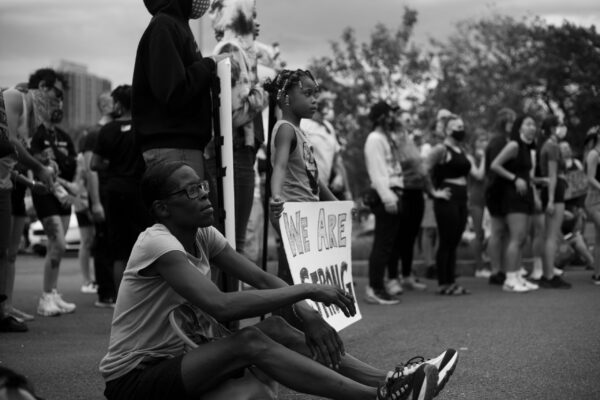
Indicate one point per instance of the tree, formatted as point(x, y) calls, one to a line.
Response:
point(524, 64)
point(388, 67)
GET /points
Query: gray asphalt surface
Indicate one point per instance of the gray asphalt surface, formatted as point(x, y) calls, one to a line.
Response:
point(543, 345)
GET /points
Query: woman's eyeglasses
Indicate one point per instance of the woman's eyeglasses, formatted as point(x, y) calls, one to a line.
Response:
point(194, 190)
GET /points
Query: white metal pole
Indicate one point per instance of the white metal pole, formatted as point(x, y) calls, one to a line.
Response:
point(225, 116)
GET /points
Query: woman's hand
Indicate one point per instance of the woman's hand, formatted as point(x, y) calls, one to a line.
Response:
point(521, 186)
point(276, 207)
point(442, 194)
point(333, 295)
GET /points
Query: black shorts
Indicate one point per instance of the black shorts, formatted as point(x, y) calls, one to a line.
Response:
point(157, 381)
point(47, 205)
point(18, 200)
point(515, 203)
point(559, 193)
point(493, 201)
point(84, 218)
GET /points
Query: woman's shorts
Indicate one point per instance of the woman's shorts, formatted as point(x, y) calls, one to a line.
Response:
point(18, 200)
point(84, 218)
point(494, 202)
point(155, 381)
point(515, 203)
point(559, 193)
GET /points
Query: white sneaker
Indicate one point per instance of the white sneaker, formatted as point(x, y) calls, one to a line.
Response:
point(522, 272)
point(558, 271)
point(89, 288)
point(65, 307)
point(515, 286)
point(393, 287)
point(528, 284)
point(483, 273)
point(47, 306)
point(412, 283)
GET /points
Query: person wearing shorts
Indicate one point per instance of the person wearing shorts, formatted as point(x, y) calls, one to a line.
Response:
point(51, 145)
point(513, 168)
point(170, 268)
point(552, 168)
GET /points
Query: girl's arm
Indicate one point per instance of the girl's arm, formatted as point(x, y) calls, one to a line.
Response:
point(552, 177)
point(477, 172)
point(285, 139)
point(509, 152)
point(435, 156)
point(592, 164)
point(325, 194)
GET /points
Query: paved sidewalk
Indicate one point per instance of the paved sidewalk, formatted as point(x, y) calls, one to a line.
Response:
point(543, 345)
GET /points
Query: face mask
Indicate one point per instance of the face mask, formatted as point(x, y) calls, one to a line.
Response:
point(47, 109)
point(459, 136)
point(199, 8)
point(561, 132)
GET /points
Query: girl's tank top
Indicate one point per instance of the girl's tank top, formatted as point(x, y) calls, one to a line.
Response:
point(301, 182)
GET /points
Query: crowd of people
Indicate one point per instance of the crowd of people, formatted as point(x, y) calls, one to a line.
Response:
point(144, 187)
point(523, 175)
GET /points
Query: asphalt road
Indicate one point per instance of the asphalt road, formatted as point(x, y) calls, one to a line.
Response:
point(543, 345)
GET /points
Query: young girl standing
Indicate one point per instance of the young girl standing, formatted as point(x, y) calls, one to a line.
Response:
point(295, 174)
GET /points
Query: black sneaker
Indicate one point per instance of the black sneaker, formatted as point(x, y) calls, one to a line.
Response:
point(497, 279)
point(12, 324)
point(445, 364)
point(555, 283)
point(105, 303)
point(421, 384)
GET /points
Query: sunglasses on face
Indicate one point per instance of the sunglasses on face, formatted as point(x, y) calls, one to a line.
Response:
point(194, 190)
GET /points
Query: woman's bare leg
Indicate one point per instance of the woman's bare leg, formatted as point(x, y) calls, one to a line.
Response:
point(211, 364)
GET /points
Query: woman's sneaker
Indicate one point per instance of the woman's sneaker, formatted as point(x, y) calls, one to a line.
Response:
point(47, 306)
point(412, 283)
point(445, 364)
point(419, 384)
point(393, 288)
point(515, 286)
point(89, 288)
point(596, 279)
point(379, 297)
point(65, 307)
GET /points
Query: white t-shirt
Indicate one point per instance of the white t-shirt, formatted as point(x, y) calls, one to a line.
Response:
point(140, 326)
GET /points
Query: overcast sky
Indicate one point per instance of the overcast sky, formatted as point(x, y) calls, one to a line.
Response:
point(103, 34)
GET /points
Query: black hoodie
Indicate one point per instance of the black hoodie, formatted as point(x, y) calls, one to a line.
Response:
point(171, 102)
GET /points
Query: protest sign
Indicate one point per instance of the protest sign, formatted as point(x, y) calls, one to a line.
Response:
point(317, 238)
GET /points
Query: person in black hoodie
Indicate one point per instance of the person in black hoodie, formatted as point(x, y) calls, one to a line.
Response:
point(171, 104)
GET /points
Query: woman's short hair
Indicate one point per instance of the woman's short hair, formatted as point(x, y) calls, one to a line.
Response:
point(155, 181)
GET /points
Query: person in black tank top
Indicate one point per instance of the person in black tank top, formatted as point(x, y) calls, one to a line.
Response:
point(449, 167)
point(513, 167)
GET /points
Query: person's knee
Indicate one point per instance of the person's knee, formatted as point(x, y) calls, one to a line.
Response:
point(254, 343)
point(277, 328)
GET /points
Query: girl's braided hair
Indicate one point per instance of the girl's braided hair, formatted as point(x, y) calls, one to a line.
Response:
point(285, 80)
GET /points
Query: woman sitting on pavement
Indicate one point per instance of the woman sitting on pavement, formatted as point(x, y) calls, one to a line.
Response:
point(169, 266)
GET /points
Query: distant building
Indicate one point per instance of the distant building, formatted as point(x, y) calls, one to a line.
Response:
point(80, 104)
